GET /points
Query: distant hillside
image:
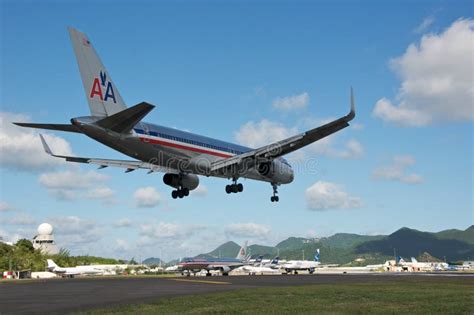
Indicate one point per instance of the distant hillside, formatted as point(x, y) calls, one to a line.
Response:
point(152, 261)
point(229, 249)
point(408, 242)
point(292, 243)
point(346, 240)
point(454, 234)
point(266, 251)
point(345, 248)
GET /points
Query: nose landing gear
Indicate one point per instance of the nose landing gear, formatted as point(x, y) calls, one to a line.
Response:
point(274, 198)
point(234, 188)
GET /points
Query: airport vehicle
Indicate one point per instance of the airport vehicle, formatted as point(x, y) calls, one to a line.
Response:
point(224, 265)
point(299, 265)
point(181, 155)
point(72, 271)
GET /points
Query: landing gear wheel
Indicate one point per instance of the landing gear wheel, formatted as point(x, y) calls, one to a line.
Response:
point(180, 193)
point(185, 192)
point(275, 198)
point(234, 188)
point(174, 194)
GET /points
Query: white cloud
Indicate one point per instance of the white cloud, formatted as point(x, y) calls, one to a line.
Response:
point(125, 222)
point(70, 185)
point(291, 102)
point(166, 230)
point(104, 193)
point(255, 135)
point(437, 79)
point(21, 148)
point(18, 219)
point(424, 25)
point(4, 207)
point(249, 229)
point(71, 180)
point(325, 147)
point(397, 171)
point(122, 245)
point(74, 231)
point(146, 197)
point(326, 196)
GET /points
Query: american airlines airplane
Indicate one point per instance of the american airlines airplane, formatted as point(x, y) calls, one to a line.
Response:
point(181, 155)
point(223, 265)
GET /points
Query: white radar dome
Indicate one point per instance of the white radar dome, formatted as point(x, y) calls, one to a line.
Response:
point(45, 229)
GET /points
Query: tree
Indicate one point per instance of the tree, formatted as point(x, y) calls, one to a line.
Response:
point(25, 244)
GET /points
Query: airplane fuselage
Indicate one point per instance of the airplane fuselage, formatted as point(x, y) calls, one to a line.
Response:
point(182, 151)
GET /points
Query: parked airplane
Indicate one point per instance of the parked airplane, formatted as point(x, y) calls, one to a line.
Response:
point(224, 265)
point(181, 155)
point(258, 269)
point(297, 265)
point(72, 271)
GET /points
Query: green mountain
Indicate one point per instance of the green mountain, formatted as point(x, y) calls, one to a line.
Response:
point(152, 261)
point(229, 249)
point(355, 249)
point(266, 251)
point(347, 240)
point(291, 243)
point(454, 234)
point(407, 242)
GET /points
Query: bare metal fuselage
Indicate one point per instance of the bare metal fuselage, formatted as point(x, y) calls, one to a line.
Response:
point(177, 150)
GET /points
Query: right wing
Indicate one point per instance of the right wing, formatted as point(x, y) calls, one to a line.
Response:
point(128, 165)
point(277, 149)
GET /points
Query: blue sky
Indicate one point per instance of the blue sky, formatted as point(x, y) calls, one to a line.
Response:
point(222, 70)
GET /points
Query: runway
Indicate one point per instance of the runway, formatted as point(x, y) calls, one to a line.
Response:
point(68, 295)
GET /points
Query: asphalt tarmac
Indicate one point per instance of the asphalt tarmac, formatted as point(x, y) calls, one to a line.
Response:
point(81, 294)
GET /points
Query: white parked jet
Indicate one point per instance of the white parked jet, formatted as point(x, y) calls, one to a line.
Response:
point(181, 155)
point(73, 271)
point(299, 265)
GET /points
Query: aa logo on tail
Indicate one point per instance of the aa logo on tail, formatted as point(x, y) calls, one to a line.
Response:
point(99, 86)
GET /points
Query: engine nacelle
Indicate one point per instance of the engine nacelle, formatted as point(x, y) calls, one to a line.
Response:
point(225, 269)
point(189, 181)
point(276, 171)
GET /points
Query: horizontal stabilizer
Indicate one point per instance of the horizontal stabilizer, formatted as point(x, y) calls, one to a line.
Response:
point(60, 127)
point(124, 121)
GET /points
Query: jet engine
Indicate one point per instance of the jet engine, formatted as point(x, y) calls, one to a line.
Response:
point(188, 181)
point(225, 270)
point(276, 171)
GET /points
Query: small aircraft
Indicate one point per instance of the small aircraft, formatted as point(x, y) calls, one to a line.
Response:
point(223, 265)
point(297, 265)
point(72, 271)
point(182, 156)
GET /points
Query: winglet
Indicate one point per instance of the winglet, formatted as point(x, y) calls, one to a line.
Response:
point(45, 146)
point(351, 114)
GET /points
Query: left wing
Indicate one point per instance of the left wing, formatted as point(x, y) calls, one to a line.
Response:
point(288, 145)
point(128, 165)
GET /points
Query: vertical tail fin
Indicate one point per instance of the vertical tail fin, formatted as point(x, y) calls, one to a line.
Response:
point(242, 255)
point(102, 95)
point(316, 256)
point(413, 260)
point(51, 264)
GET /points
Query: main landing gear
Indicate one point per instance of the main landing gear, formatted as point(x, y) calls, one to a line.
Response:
point(180, 193)
point(274, 198)
point(234, 188)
